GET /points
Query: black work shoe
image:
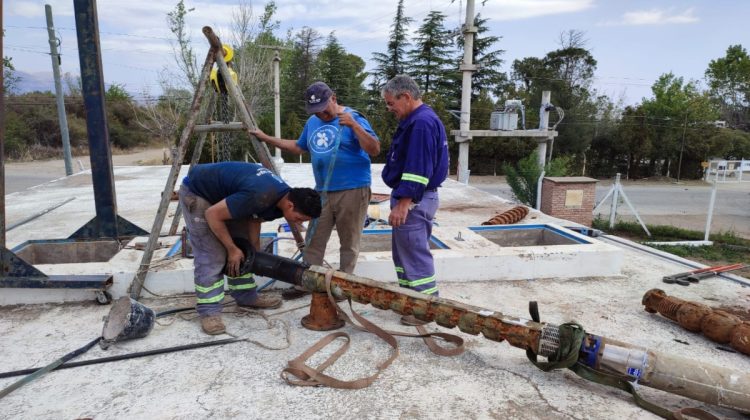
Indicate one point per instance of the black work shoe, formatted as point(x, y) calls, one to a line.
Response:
point(293, 293)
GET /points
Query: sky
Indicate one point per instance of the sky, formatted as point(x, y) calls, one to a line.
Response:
point(634, 42)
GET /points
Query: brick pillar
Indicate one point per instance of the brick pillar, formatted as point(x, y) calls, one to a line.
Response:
point(570, 198)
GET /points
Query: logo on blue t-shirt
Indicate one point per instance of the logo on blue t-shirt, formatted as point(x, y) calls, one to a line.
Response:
point(323, 139)
point(263, 171)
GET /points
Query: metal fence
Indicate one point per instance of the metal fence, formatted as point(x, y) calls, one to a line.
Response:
point(727, 171)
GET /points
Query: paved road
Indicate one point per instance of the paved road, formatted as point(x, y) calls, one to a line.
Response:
point(682, 205)
point(22, 175)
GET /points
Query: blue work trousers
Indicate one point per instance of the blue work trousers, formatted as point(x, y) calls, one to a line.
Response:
point(412, 258)
point(210, 257)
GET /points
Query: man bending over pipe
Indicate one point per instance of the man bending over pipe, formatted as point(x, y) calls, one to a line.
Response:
point(232, 199)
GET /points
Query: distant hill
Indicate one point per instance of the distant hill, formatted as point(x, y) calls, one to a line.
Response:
point(35, 82)
point(41, 82)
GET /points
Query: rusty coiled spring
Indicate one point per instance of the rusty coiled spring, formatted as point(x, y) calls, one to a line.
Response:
point(514, 215)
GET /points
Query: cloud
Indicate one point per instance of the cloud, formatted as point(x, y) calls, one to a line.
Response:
point(35, 9)
point(653, 17)
point(525, 9)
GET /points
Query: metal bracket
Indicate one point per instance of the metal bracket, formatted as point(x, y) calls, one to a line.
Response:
point(93, 230)
point(17, 273)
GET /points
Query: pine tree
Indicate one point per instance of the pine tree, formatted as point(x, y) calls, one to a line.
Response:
point(300, 72)
point(342, 72)
point(391, 63)
point(430, 58)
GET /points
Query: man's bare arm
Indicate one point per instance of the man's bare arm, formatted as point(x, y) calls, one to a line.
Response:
point(283, 144)
point(216, 216)
point(367, 141)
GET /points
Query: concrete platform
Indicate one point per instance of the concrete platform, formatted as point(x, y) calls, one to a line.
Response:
point(466, 252)
point(490, 380)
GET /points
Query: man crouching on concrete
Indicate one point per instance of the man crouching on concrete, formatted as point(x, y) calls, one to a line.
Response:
point(232, 199)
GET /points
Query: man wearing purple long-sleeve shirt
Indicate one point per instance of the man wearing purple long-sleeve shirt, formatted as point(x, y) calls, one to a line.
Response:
point(416, 165)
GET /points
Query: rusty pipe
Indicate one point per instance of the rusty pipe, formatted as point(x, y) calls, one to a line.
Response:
point(704, 382)
point(717, 325)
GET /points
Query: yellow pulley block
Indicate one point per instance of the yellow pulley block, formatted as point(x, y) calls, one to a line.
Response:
point(215, 78)
point(228, 52)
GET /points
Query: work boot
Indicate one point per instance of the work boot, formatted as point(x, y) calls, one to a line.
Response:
point(292, 293)
point(411, 321)
point(264, 301)
point(213, 325)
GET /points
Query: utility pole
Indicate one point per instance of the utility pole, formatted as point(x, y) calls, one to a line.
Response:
point(2, 142)
point(277, 98)
point(276, 101)
point(467, 69)
point(682, 148)
point(53, 43)
point(543, 125)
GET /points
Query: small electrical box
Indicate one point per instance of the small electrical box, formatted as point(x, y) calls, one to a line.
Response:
point(503, 120)
point(507, 118)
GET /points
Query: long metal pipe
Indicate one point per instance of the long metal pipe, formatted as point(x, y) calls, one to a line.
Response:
point(704, 382)
point(2, 142)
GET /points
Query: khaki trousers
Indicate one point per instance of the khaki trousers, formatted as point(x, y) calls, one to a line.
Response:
point(346, 211)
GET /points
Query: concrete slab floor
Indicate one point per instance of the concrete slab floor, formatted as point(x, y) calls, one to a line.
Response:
point(490, 380)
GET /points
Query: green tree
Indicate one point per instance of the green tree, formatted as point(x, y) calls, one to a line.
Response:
point(430, 59)
point(391, 63)
point(567, 72)
point(729, 144)
point(523, 180)
point(299, 72)
point(622, 146)
point(183, 50)
point(253, 41)
point(342, 72)
point(681, 117)
point(10, 80)
point(729, 83)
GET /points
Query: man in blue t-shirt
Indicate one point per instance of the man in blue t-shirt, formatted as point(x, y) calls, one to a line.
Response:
point(416, 165)
point(227, 200)
point(340, 142)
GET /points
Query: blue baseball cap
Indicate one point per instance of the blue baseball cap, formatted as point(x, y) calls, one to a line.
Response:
point(316, 97)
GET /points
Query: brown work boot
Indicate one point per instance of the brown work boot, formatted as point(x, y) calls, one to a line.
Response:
point(264, 301)
point(213, 325)
point(412, 321)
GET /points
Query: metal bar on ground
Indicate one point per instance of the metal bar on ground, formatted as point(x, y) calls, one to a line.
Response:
point(41, 213)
